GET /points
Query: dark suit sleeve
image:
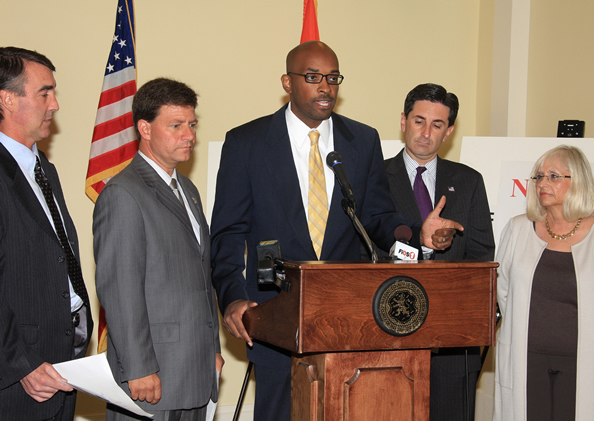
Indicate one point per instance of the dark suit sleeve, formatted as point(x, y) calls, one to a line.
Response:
point(231, 221)
point(17, 359)
point(32, 277)
point(480, 244)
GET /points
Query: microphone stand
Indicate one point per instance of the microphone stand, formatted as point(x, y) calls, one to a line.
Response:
point(349, 208)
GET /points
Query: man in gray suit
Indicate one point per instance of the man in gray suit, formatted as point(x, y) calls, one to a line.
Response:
point(45, 315)
point(152, 250)
point(418, 179)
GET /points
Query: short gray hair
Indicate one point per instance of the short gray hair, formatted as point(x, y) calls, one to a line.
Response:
point(579, 200)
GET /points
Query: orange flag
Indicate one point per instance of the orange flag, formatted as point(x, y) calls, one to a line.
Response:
point(310, 30)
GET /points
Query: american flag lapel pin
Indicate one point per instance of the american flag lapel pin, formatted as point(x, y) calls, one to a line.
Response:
point(451, 188)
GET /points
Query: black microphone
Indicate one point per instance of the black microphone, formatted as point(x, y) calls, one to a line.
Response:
point(334, 161)
point(268, 250)
point(270, 265)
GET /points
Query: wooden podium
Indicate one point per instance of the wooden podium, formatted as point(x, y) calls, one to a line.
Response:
point(344, 365)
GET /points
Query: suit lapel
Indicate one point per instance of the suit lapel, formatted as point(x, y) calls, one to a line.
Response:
point(22, 190)
point(162, 191)
point(400, 187)
point(343, 143)
point(444, 185)
point(281, 165)
point(54, 181)
point(196, 208)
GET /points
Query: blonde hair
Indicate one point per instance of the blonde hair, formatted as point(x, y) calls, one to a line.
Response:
point(579, 200)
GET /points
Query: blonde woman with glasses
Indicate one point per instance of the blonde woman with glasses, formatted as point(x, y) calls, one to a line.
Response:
point(545, 290)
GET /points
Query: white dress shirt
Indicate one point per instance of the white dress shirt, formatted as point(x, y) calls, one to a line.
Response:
point(429, 178)
point(300, 147)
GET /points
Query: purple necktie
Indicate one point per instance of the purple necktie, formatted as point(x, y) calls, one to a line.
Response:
point(422, 194)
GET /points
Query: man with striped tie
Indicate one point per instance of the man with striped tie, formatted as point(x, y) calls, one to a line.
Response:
point(273, 184)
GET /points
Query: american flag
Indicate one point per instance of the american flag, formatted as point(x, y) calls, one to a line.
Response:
point(114, 141)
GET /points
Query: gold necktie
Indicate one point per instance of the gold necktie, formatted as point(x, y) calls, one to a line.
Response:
point(317, 208)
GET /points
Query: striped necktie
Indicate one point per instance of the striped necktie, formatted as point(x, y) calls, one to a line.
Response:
point(317, 208)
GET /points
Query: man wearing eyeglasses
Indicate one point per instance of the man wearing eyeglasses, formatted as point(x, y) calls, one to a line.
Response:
point(418, 177)
point(273, 184)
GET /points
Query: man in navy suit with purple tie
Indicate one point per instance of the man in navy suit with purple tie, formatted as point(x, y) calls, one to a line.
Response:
point(418, 178)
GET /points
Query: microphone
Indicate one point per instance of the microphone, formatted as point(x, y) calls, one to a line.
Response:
point(270, 265)
point(403, 233)
point(334, 161)
point(401, 250)
point(268, 250)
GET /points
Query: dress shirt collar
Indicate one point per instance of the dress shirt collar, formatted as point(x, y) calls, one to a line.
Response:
point(167, 179)
point(411, 166)
point(162, 173)
point(25, 157)
point(300, 131)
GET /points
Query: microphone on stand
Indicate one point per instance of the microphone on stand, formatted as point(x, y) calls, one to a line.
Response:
point(349, 203)
point(334, 161)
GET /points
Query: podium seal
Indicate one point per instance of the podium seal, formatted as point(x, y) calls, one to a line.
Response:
point(400, 306)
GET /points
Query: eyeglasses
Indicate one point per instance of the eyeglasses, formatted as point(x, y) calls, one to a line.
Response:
point(318, 77)
point(552, 178)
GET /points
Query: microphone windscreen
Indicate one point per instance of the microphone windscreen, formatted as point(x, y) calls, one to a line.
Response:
point(403, 233)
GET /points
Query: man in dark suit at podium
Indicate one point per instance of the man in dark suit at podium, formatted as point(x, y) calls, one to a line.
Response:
point(273, 184)
point(417, 177)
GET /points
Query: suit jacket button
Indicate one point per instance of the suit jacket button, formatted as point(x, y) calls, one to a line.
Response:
point(66, 294)
point(61, 259)
point(68, 332)
point(210, 325)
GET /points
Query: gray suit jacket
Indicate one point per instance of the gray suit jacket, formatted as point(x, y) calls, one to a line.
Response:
point(153, 280)
point(35, 321)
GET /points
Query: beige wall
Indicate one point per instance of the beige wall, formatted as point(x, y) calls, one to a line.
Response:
point(561, 66)
point(232, 52)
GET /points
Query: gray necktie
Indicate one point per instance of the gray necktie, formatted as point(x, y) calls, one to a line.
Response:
point(173, 185)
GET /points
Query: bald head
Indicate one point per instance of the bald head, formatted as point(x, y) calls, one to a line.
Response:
point(300, 53)
point(312, 101)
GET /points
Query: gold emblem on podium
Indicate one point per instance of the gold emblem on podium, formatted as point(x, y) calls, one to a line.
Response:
point(400, 306)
